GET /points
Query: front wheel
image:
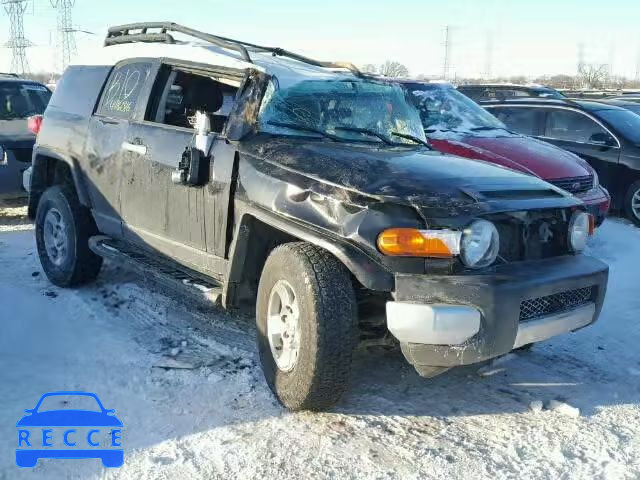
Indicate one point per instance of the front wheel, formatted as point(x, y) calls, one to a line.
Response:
point(63, 228)
point(632, 203)
point(306, 318)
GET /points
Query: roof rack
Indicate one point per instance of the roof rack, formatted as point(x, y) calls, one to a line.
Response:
point(14, 75)
point(123, 34)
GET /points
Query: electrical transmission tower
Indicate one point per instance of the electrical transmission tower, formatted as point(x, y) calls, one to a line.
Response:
point(15, 10)
point(66, 42)
point(488, 57)
point(447, 53)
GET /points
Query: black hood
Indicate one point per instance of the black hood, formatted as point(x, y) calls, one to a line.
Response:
point(421, 176)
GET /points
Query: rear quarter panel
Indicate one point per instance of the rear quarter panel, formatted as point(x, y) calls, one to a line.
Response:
point(66, 125)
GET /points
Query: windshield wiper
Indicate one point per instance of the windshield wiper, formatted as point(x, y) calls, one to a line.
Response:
point(295, 126)
point(366, 131)
point(486, 127)
point(413, 138)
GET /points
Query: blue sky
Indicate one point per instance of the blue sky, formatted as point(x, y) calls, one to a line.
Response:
point(529, 37)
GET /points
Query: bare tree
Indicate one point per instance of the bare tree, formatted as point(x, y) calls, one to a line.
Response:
point(388, 69)
point(592, 75)
point(393, 69)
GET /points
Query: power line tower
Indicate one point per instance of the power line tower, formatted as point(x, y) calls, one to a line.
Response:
point(66, 42)
point(15, 10)
point(447, 53)
point(580, 57)
point(638, 65)
point(488, 57)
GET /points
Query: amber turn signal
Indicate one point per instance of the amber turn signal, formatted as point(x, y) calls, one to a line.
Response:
point(411, 242)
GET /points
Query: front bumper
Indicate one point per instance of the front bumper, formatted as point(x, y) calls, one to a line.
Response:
point(597, 203)
point(446, 321)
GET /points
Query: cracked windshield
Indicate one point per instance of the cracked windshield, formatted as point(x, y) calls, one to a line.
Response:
point(363, 111)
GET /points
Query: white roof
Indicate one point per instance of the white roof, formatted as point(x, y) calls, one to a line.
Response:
point(285, 69)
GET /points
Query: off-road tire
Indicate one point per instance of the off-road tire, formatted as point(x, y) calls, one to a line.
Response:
point(328, 326)
point(81, 265)
point(628, 210)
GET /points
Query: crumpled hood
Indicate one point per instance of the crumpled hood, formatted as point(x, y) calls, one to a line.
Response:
point(15, 134)
point(395, 172)
point(525, 154)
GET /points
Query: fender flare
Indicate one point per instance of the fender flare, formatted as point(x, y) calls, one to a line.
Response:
point(40, 161)
point(371, 274)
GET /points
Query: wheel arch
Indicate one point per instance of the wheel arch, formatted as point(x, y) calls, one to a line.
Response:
point(50, 168)
point(258, 232)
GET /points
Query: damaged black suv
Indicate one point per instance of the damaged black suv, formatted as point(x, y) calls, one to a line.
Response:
point(258, 177)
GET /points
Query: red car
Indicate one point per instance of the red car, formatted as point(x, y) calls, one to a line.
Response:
point(455, 124)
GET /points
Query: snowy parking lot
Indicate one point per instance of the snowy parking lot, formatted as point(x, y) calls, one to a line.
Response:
point(188, 387)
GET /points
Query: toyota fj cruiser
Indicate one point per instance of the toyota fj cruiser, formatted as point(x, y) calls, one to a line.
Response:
point(261, 177)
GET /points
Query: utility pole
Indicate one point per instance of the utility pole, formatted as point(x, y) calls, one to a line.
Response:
point(18, 44)
point(447, 53)
point(638, 65)
point(66, 42)
point(580, 57)
point(488, 60)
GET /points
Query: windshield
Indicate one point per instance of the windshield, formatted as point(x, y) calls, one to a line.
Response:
point(342, 110)
point(21, 100)
point(442, 108)
point(624, 121)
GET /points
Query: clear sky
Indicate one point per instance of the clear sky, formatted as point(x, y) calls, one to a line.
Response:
point(528, 37)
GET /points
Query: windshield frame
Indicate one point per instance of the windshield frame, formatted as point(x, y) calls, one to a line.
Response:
point(401, 114)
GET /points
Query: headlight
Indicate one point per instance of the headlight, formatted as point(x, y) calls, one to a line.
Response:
point(480, 244)
point(579, 231)
point(596, 181)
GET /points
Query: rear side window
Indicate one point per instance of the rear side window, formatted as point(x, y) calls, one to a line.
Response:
point(78, 90)
point(21, 100)
point(519, 119)
point(571, 126)
point(122, 92)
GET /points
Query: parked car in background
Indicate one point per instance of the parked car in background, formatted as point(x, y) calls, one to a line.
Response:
point(605, 135)
point(623, 103)
point(307, 193)
point(628, 97)
point(500, 91)
point(455, 124)
point(19, 100)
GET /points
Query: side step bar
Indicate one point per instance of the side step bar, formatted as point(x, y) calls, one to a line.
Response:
point(166, 273)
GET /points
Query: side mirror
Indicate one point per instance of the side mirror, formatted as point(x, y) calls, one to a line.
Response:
point(602, 138)
point(4, 160)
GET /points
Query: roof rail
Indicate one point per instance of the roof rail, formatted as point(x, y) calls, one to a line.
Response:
point(7, 74)
point(122, 34)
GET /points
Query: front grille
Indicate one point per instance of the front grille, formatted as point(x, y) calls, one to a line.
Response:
point(556, 303)
point(574, 184)
point(532, 235)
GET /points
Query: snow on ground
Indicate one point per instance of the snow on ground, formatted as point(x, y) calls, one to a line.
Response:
point(188, 387)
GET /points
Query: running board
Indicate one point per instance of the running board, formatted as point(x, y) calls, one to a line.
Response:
point(163, 272)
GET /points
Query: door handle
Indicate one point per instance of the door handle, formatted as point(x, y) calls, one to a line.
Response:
point(132, 147)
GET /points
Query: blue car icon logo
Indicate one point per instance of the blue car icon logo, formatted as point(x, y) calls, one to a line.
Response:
point(69, 433)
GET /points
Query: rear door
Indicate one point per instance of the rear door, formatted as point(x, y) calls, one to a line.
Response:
point(522, 119)
point(583, 135)
point(186, 223)
point(106, 149)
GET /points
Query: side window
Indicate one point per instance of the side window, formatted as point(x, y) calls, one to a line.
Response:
point(183, 93)
point(571, 126)
point(120, 96)
point(519, 119)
